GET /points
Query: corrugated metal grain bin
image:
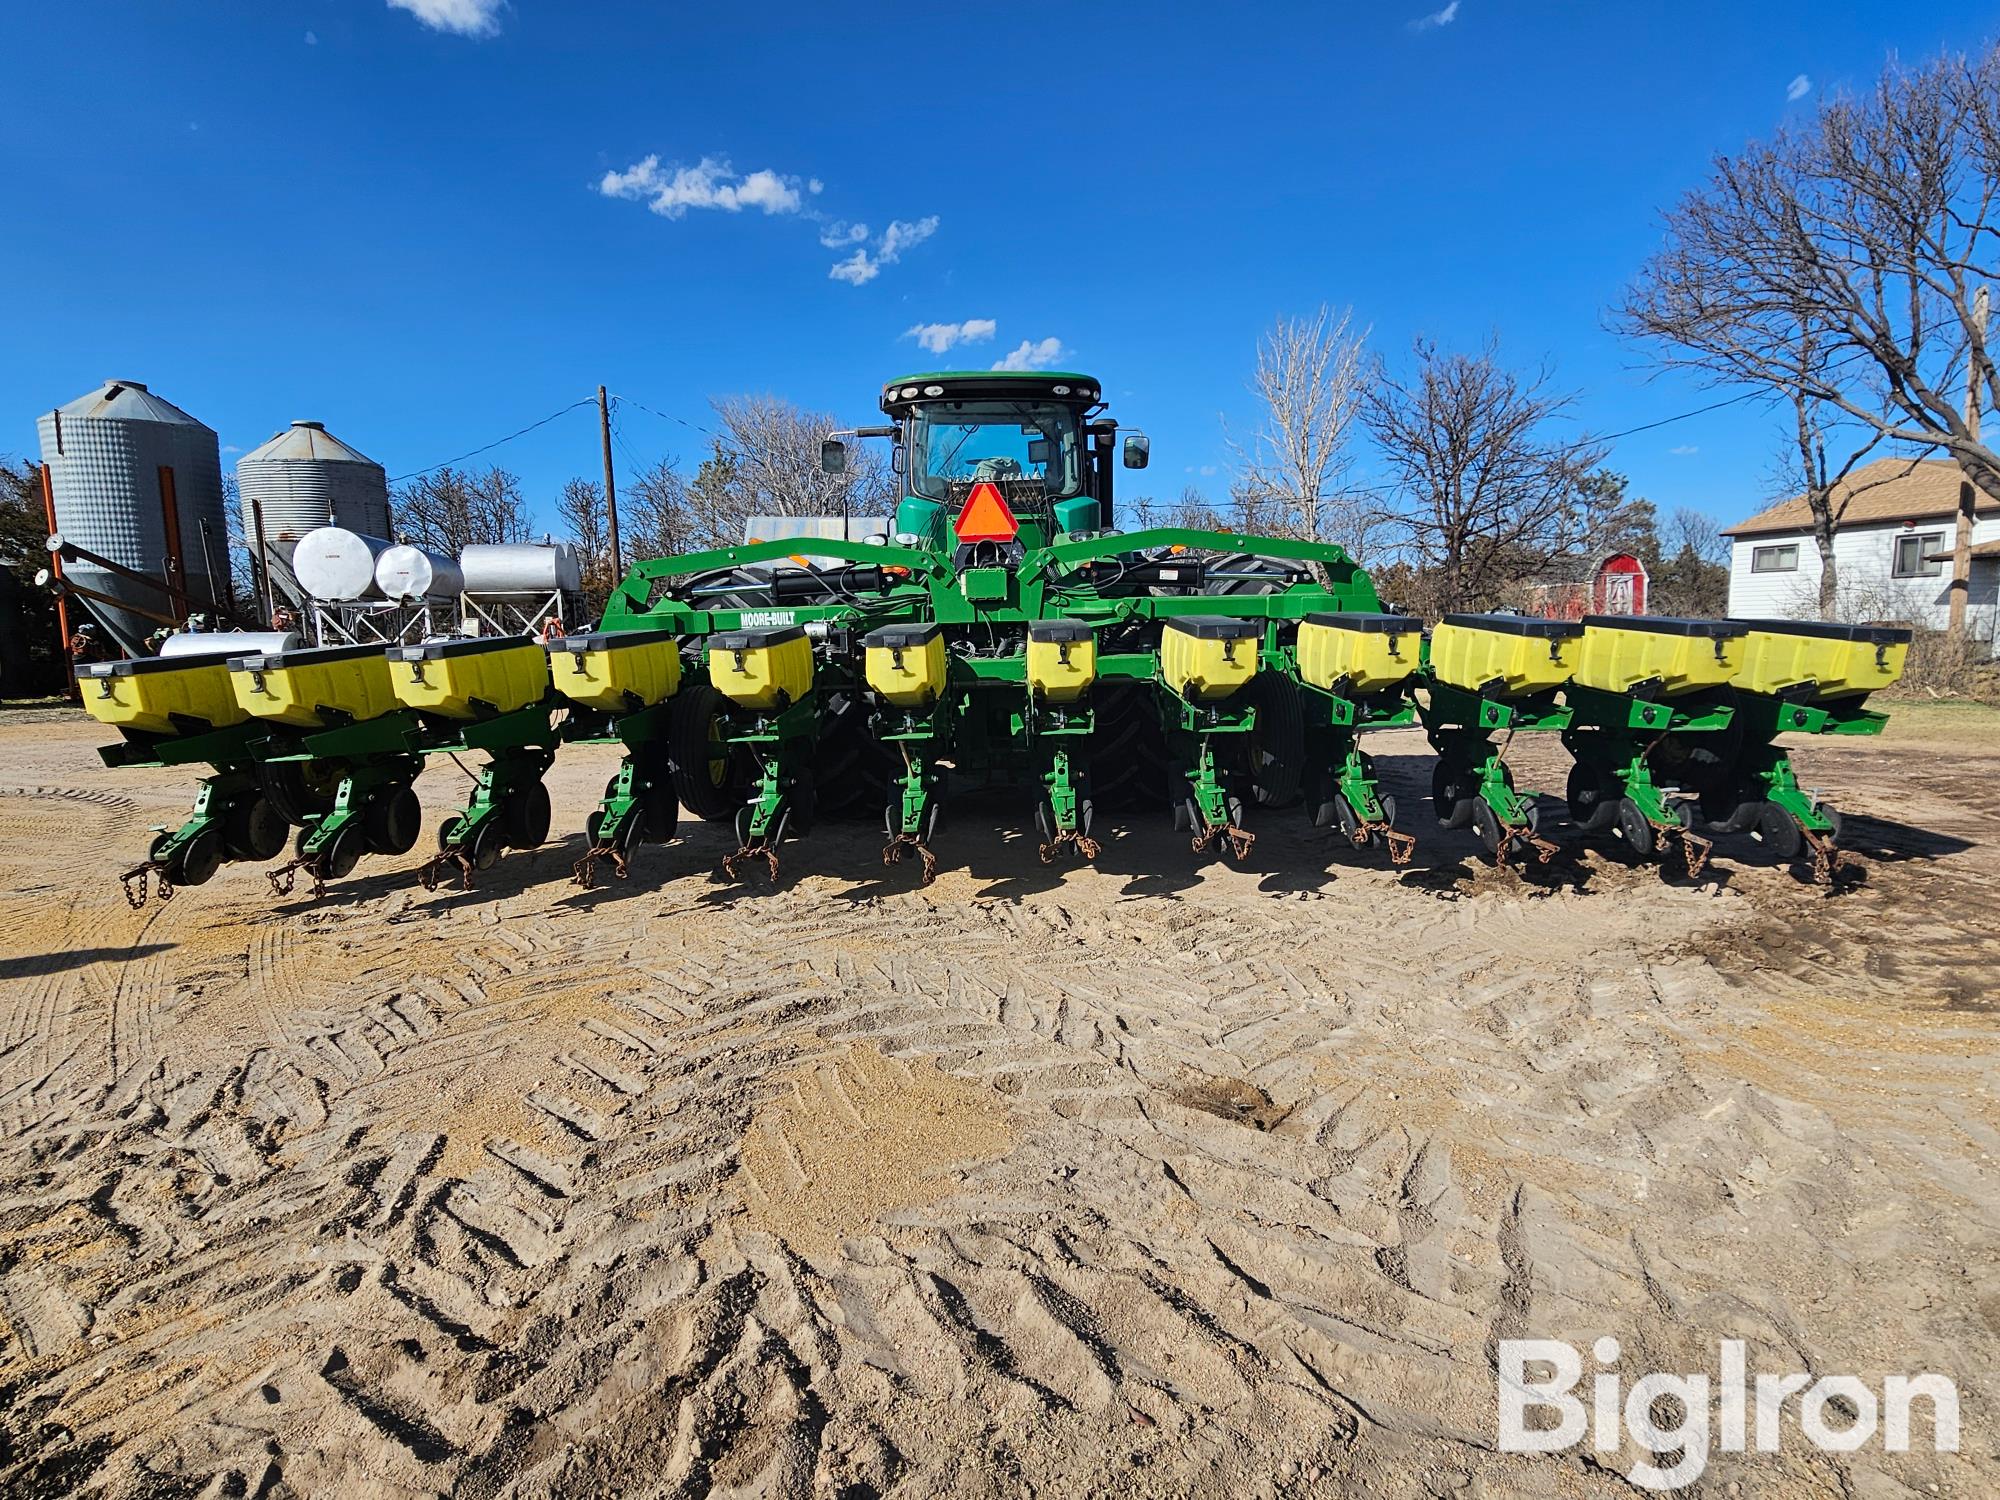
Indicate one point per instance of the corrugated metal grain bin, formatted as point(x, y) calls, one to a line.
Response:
point(305, 478)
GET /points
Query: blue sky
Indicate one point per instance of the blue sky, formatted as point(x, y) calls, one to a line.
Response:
point(431, 222)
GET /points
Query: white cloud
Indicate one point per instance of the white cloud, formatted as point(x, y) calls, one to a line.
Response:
point(707, 184)
point(1436, 18)
point(1208, 471)
point(1797, 89)
point(464, 17)
point(862, 266)
point(1033, 355)
point(231, 448)
point(1684, 450)
point(840, 234)
point(940, 337)
point(312, 39)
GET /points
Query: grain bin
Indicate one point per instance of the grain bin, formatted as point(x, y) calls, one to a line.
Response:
point(105, 453)
point(335, 564)
point(520, 568)
point(408, 572)
point(305, 478)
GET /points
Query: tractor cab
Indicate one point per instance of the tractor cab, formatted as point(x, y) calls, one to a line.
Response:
point(998, 460)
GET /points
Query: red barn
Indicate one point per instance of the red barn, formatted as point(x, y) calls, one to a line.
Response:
point(1613, 583)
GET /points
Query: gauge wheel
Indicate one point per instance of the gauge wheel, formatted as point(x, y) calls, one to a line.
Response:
point(1486, 823)
point(196, 861)
point(253, 829)
point(393, 821)
point(526, 816)
point(1452, 796)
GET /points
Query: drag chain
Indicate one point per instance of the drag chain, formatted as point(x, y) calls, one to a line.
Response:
point(753, 849)
point(1402, 846)
point(429, 871)
point(1695, 849)
point(901, 844)
point(286, 876)
point(1238, 839)
point(1084, 845)
point(1543, 849)
point(584, 871)
point(1829, 859)
point(133, 881)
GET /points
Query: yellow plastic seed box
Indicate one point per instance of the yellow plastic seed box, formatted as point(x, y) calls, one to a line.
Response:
point(617, 669)
point(905, 663)
point(295, 687)
point(472, 678)
point(160, 694)
point(761, 668)
point(1062, 659)
point(1357, 653)
point(1505, 656)
point(1205, 658)
point(1663, 656)
point(1839, 661)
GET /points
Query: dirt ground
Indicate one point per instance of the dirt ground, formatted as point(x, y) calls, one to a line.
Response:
point(1148, 1179)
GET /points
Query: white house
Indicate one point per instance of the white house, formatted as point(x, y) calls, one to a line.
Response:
point(1892, 553)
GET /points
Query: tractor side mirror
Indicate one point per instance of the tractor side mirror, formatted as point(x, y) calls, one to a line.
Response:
point(832, 456)
point(1138, 450)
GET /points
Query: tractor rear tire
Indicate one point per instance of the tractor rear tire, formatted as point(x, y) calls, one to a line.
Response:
point(1277, 742)
point(1273, 574)
point(299, 789)
point(1128, 750)
point(711, 789)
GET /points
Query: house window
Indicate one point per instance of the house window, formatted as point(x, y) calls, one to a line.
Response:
point(1913, 550)
point(1783, 559)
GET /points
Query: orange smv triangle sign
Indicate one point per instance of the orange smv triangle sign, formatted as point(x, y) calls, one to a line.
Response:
point(985, 516)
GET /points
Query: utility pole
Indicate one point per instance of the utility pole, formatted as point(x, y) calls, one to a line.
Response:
point(1968, 495)
point(610, 486)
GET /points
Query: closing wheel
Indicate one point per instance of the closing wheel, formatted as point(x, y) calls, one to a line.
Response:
point(1635, 829)
point(1779, 832)
point(526, 816)
point(483, 848)
point(1486, 823)
point(1452, 795)
point(708, 778)
point(253, 829)
point(393, 821)
point(343, 853)
point(196, 861)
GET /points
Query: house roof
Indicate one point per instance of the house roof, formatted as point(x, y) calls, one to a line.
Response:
point(1886, 492)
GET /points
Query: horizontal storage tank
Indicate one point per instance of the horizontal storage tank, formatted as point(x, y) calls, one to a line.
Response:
point(228, 642)
point(336, 564)
point(305, 478)
point(520, 568)
point(407, 572)
point(105, 451)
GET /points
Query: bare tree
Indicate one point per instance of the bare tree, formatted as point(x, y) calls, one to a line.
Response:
point(1191, 510)
point(449, 510)
point(581, 509)
point(1488, 496)
point(1309, 378)
point(766, 462)
point(655, 513)
point(1839, 264)
point(1689, 530)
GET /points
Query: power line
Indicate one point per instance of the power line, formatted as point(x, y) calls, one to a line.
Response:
point(419, 473)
